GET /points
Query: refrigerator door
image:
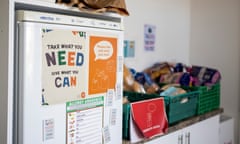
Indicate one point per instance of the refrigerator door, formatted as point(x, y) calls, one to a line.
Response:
point(69, 84)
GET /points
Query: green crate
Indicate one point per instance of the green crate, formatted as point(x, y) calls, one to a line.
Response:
point(134, 97)
point(209, 98)
point(181, 106)
point(125, 121)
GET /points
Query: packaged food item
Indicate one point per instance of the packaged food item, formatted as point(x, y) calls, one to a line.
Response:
point(178, 67)
point(157, 70)
point(129, 83)
point(205, 75)
point(138, 88)
point(149, 85)
point(125, 100)
point(182, 78)
point(172, 91)
point(140, 77)
point(128, 80)
point(166, 86)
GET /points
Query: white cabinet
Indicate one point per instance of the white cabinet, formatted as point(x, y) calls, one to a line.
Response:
point(171, 138)
point(226, 130)
point(203, 132)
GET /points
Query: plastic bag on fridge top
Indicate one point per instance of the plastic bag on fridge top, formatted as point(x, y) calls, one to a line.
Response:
point(118, 6)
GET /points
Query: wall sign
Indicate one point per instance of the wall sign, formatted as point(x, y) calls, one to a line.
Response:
point(149, 37)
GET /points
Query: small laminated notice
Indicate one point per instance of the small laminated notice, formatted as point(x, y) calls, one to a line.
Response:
point(106, 135)
point(113, 116)
point(118, 95)
point(48, 129)
point(85, 121)
point(120, 64)
point(110, 96)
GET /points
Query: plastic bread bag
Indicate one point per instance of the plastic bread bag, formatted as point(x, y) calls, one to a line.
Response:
point(99, 6)
point(157, 70)
point(128, 79)
point(129, 83)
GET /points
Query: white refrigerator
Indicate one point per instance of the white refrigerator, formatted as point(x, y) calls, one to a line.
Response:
point(68, 82)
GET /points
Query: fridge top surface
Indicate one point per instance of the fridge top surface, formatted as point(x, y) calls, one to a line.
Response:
point(43, 17)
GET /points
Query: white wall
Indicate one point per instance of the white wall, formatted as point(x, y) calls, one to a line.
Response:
point(202, 32)
point(215, 37)
point(4, 125)
point(172, 21)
